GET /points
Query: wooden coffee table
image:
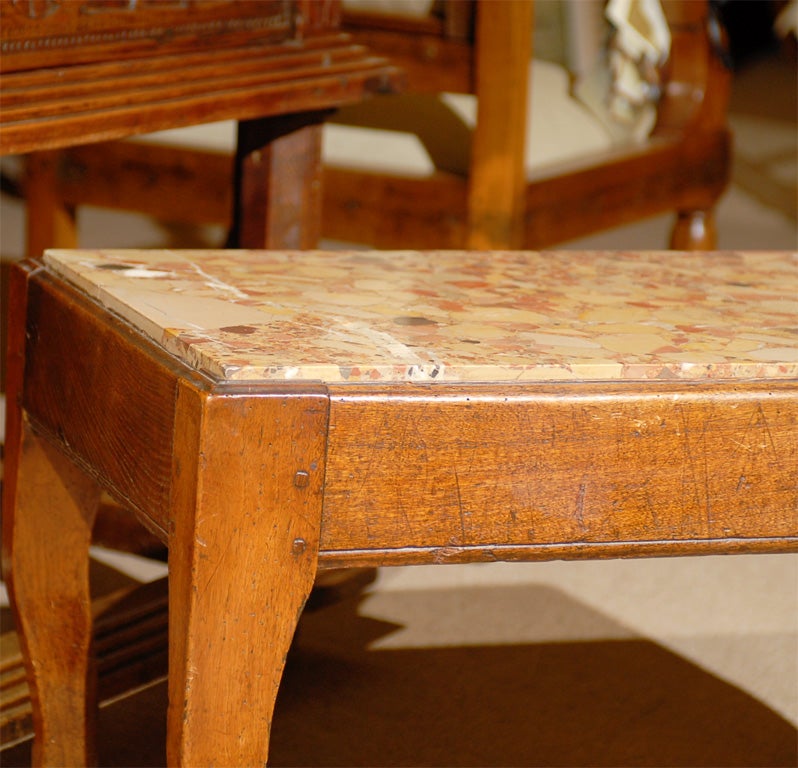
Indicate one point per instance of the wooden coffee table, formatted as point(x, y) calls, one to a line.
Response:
point(269, 414)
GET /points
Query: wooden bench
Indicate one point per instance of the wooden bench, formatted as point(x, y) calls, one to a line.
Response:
point(273, 414)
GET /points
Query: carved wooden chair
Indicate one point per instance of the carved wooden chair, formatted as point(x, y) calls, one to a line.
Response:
point(479, 188)
point(85, 72)
point(495, 197)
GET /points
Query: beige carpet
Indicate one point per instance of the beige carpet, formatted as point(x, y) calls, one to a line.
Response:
point(681, 662)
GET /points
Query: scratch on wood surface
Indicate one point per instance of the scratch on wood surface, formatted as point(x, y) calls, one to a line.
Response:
point(707, 489)
point(652, 510)
point(763, 420)
point(580, 506)
point(212, 574)
point(690, 469)
point(460, 511)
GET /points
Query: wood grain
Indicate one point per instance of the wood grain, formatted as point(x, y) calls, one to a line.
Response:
point(573, 464)
point(684, 168)
point(625, 185)
point(388, 211)
point(18, 276)
point(48, 582)
point(277, 183)
point(137, 70)
point(434, 53)
point(86, 72)
point(93, 385)
point(246, 505)
point(562, 202)
point(58, 34)
point(149, 178)
point(255, 485)
point(101, 95)
point(497, 173)
point(49, 218)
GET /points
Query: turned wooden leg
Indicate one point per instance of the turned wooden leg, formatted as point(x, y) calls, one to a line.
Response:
point(694, 231)
point(51, 223)
point(246, 511)
point(47, 532)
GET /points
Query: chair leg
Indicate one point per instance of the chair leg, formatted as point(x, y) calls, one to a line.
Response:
point(51, 223)
point(694, 230)
point(497, 179)
point(277, 183)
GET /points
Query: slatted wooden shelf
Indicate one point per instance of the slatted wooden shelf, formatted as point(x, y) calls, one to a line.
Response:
point(130, 649)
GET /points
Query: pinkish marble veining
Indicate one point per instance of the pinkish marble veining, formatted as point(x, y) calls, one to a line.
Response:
point(354, 316)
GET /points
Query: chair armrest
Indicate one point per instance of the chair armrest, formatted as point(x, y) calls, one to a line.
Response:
point(696, 79)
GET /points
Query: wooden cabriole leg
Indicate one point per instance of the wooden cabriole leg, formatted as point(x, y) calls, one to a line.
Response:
point(49, 506)
point(245, 522)
point(694, 231)
point(46, 539)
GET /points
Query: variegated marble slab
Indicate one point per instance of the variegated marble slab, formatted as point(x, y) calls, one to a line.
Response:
point(354, 316)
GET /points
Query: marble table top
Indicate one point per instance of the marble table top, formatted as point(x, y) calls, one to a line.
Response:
point(363, 316)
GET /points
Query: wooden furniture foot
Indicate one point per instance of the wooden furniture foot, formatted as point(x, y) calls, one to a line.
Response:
point(694, 231)
point(242, 557)
point(47, 557)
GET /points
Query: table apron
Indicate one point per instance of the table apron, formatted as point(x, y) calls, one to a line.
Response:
point(544, 471)
point(448, 472)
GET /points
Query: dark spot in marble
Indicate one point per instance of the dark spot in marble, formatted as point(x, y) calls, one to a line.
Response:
point(413, 320)
point(243, 330)
point(116, 267)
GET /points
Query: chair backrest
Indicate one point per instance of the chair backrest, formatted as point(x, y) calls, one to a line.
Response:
point(55, 33)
